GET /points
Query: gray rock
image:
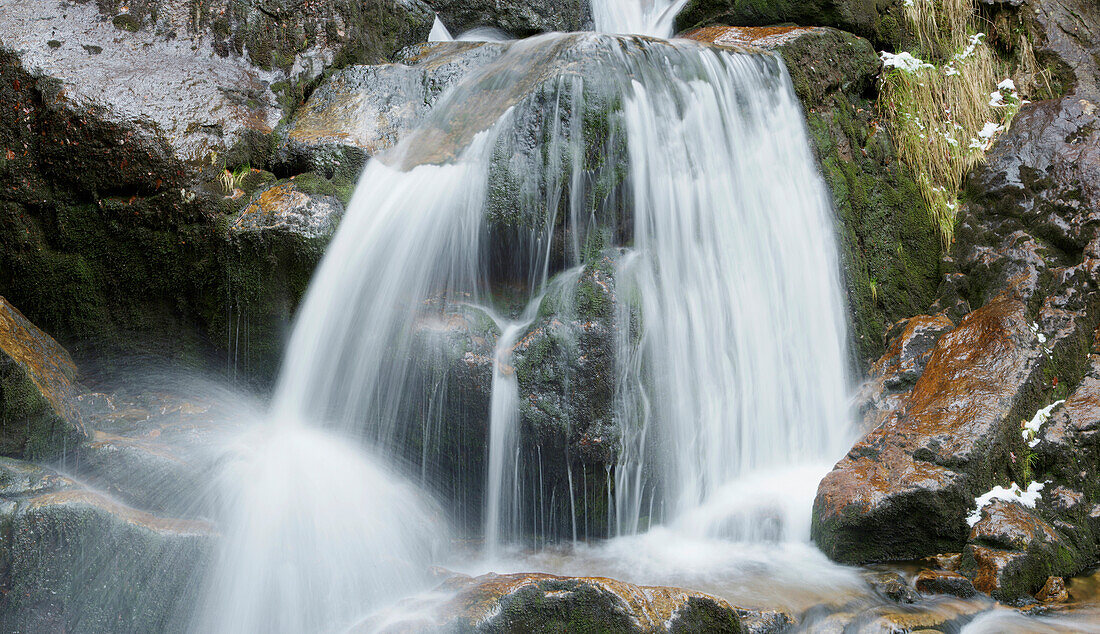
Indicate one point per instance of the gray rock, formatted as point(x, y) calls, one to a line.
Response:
point(516, 18)
point(362, 110)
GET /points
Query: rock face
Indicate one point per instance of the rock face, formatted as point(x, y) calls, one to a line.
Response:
point(904, 489)
point(531, 602)
point(362, 110)
point(518, 19)
point(71, 559)
point(880, 21)
point(39, 417)
point(118, 179)
point(274, 243)
point(1011, 551)
point(890, 250)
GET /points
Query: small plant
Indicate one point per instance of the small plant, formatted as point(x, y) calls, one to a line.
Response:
point(231, 180)
point(945, 102)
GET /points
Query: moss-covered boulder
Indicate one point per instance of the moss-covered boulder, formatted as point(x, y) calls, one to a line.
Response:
point(40, 415)
point(273, 245)
point(515, 18)
point(73, 560)
point(136, 131)
point(565, 369)
point(447, 408)
point(880, 21)
point(890, 249)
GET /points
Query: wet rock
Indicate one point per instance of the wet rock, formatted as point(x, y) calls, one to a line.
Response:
point(114, 165)
point(944, 582)
point(1066, 36)
point(448, 407)
point(361, 110)
point(880, 21)
point(273, 245)
point(63, 540)
point(893, 586)
point(285, 209)
point(904, 489)
point(890, 252)
point(764, 622)
point(564, 367)
point(192, 107)
point(518, 19)
point(944, 561)
point(1053, 591)
point(39, 416)
point(155, 450)
point(1011, 551)
point(909, 346)
point(534, 602)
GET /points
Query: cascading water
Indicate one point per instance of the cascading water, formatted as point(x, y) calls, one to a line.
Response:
point(740, 366)
point(727, 318)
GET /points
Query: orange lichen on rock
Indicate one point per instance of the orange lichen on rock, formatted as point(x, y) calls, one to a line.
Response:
point(45, 362)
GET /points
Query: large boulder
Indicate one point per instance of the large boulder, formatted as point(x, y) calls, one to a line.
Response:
point(73, 560)
point(904, 490)
point(890, 251)
point(39, 413)
point(517, 19)
point(362, 110)
point(564, 365)
point(274, 243)
point(880, 21)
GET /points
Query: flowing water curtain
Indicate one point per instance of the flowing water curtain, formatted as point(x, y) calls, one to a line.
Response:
point(741, 357)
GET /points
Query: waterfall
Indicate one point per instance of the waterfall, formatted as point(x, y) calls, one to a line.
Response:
point(683, 169)
point(740, 366)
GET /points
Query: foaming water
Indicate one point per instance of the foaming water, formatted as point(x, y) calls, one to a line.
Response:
point(315, 534)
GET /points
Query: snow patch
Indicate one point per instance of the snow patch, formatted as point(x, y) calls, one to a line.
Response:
point(1026, 497)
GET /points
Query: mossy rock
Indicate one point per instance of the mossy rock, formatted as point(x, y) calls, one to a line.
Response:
point(39, 414)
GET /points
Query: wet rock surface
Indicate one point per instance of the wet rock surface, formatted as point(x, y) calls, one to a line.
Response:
point(1011, 551)
point(903, 490)
point(362, 110)
point(880, 21)
point(39, 414)
point(72, 557)
point(517, 19)
point(563, 364)
point(449, 407)
point(944, 582)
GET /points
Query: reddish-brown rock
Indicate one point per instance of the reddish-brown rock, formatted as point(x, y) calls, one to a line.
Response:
point(39, 416)
point(1053, 591)
point(1012, 550)
point(903, 491)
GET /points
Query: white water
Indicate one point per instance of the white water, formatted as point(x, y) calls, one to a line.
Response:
point(741, 362)
point(638, 17)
